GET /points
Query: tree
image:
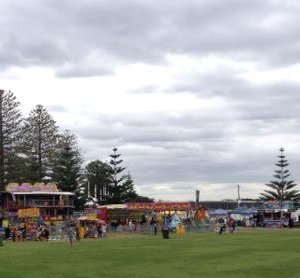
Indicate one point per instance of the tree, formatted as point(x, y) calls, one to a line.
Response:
point(121, 189)
point(10, 125)
point(39, 141)
point(281, 189)
point(97, 176)
point(129, 193)
point(67, 162)
point(121, 186)
point(142, 199)
point(80, 194)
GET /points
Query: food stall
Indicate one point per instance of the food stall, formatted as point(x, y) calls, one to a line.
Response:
point(89, 226)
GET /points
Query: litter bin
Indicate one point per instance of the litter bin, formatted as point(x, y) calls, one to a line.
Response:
point(165, 233)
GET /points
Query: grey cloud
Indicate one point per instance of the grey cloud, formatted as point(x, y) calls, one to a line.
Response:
point(234, 142)
point(246, 101)
point(190, 161)
point(146, 89)
point(84, 70)
point(158, 128)
point(61, 34)
point(57, 108)
point(196, 147)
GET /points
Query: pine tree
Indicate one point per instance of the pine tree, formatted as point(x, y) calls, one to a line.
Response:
point(80, 194)
point(10, 124)
point(282, 189)
point(129, 194)
point(67, 162)
point(121, 186)
point(39, 141)
point(97, 175)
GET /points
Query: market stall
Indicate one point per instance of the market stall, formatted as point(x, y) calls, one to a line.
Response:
point(90, 227)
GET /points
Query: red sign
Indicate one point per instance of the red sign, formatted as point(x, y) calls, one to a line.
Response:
point(161, 206)
point(101, 213)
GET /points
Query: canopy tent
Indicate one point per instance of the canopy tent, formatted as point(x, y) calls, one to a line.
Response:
point(250, 211)
point(87, 219)
point(241, 213)
point(239, 210)
point(219, 212)
point(238, 213)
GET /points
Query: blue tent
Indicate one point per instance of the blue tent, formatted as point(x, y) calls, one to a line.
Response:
point(239, 210)
point(219, 212)
point(250, 211)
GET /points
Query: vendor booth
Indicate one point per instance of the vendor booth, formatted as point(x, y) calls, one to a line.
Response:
point(275, 215)
point(90, 227)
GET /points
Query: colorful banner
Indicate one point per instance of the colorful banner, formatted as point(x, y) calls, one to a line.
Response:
point(162, 206)
point(29, 212)
point(274, 204)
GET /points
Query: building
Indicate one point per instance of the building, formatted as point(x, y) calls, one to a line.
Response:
point(39, 200)
point(231, 204)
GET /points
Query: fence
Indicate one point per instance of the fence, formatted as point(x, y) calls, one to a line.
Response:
point(149, 229)
point(59, 232)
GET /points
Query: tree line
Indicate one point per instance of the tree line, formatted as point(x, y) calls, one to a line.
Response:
point(33, 149)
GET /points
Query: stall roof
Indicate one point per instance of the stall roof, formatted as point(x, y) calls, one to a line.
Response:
point(239, 210)
point(114, 206)
point(219, 212)
point(85, 218)
point(250, 211)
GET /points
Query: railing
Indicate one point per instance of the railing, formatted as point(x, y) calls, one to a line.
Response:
point(149, 229)
point(44, 203)
point(269, 223)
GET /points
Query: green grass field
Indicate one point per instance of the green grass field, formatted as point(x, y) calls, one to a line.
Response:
point(252, 253)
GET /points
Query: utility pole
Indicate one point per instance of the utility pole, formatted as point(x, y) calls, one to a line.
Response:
point(197, 198)
point(239, 196)
point(88, 184)
point(1, 143)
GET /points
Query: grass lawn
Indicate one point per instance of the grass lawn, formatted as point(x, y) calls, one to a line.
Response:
point(252, 253)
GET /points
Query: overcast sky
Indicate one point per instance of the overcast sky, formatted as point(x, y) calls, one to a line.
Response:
point(195, 94)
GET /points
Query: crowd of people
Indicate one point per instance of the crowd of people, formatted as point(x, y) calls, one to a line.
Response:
point(97, 230)
point(42, 232)
point(27, 232)
point(228, 223)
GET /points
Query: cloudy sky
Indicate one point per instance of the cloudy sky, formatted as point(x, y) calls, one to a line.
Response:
point(195, 94)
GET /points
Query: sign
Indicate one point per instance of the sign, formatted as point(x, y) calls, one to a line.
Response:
point(91, 216)
point(28, 187)
point(162, 206)
point(274, 204)
point(96, 213)
point(29, 212)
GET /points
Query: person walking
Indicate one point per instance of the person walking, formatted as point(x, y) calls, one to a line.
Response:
point(103, 230)
point(72, 234)
point(155, 228)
